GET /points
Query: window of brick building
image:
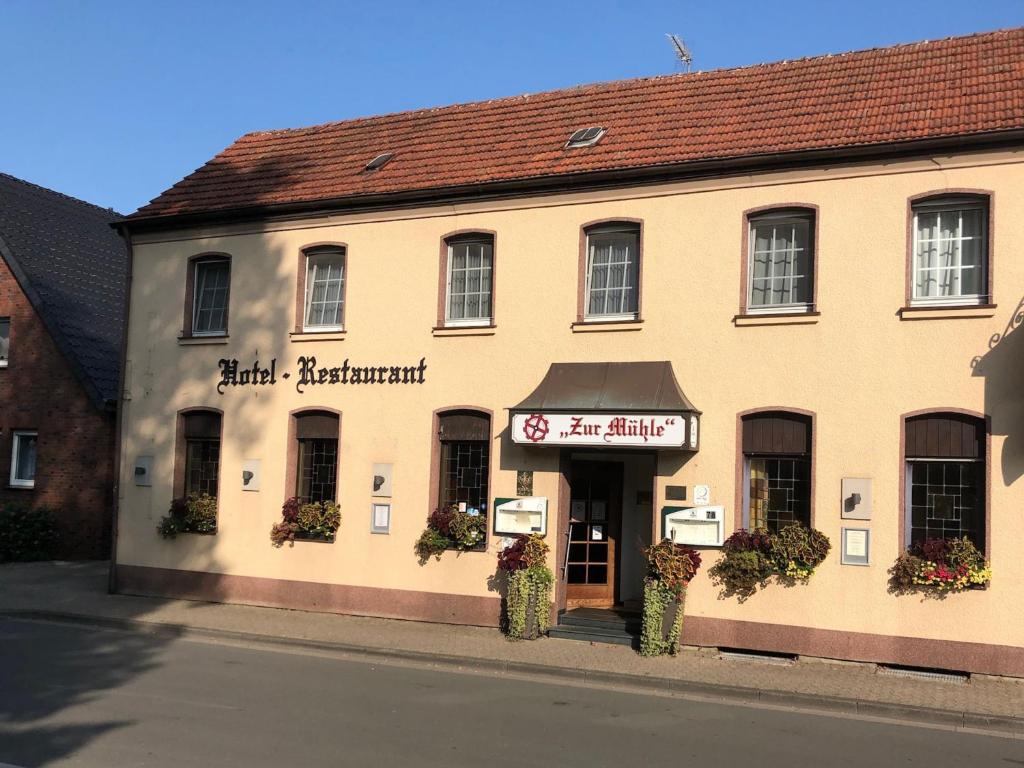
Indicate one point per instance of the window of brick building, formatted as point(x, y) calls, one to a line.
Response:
point(23, 459)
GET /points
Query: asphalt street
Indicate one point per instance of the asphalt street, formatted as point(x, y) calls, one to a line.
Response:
point(89, 697)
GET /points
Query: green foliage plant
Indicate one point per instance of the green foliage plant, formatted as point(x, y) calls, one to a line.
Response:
point(937, 567)
point(448, 527)
point(196, 513)
point(750, 559)
point(316, 521)
point(529, 581)
point(670, 568)
point(27, 534)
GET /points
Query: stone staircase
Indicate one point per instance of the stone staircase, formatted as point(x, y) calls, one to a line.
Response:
point(599, 625)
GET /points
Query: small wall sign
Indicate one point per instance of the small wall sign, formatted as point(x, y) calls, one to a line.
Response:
point(380, 518)
point(382, 480)
point(856, 546)
point(702, 495)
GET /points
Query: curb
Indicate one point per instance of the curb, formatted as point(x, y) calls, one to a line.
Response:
point(996, 725)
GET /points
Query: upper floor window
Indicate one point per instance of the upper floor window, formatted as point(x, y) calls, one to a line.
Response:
point(777, 470)
point(612, 272)
point(950, 250)
point(781, 262)
point(211, 286)
point(202, 452)
point(5, 340)
point(945, 478)
point(23, 459)
point(324, 307)
point(317, 456)
point(470, 280)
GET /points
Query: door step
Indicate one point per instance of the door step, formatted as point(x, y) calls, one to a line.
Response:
point(597, 625)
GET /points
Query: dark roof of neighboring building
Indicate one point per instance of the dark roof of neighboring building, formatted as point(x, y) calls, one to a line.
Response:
point(957, 87)
point(72, 267)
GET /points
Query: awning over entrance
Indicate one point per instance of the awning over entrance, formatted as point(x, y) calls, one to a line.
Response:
point(624, 405)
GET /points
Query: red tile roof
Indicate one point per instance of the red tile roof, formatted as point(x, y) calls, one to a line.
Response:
point(929, 90)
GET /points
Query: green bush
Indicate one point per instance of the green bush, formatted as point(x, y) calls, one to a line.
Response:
point(657, 599)
point(27, 534)
point(528, 601)
point(750, 558)
point(195, 514)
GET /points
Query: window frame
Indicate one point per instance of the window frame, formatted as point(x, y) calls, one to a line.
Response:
point(5, 361)
point(789, 212)
point(291, 484)
point(16, 437)
point(981, 422)
point(450, 242)
point(308, 254)
point(180, 479)
point(437, 454)
point(618, 225)
point(192, 296)
point(937, 202)
point(444, 278)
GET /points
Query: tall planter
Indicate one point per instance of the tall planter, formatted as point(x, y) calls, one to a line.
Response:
point(669, 570)
point(529, 582)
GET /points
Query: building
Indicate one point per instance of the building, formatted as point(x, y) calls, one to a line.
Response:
point(62, 293)
point(761, 291)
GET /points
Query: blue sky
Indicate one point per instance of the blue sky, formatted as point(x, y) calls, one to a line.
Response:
point(115, 101)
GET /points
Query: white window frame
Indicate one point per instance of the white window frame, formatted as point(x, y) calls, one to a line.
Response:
point(468, 322)
point(4, 360)
point(16, 438)
point(612, 229)
point(196, 296)
point(311, 257)
point(943, 206)
point(776, 219)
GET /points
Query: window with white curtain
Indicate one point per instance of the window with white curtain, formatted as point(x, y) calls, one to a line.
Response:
point(470, 274)
point(613, 269)
point(5, 340)
point(23, 459)
point(781, 263)
point(325, 290)
point(210, 298)
point(950, 251)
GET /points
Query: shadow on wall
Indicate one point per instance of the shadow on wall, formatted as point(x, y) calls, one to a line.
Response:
point(1002, 367)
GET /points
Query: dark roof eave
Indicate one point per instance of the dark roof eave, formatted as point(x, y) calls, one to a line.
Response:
point(590, 180)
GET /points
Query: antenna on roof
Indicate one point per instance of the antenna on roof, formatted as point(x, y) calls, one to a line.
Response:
point(682, 52)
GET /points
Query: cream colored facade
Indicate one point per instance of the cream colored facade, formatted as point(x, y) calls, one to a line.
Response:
point(857, 366)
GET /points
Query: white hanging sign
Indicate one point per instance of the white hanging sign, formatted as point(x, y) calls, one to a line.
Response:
point(600, 429)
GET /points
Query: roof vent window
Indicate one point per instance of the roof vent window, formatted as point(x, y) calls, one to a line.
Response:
point(379, 161)
point(585, 137)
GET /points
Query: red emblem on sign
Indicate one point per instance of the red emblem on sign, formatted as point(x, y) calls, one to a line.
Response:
point(535, 428)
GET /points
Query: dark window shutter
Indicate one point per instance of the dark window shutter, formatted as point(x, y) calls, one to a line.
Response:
point(464, 425)
point(202, 425)
point(777, 433)
point(316, 424)
point(945, 436)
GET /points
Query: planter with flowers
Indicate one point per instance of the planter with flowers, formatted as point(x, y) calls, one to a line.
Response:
point(312, 521)
point(196, 513)
point(939, 566)
point(670, 567)
point(450, 528)
point(751, 558)
point(529, 582)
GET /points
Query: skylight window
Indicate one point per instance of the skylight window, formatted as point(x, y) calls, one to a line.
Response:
point(379, 161)
point(585, 137)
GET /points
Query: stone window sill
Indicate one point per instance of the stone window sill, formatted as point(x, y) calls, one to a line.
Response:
point(20, 487)
point(780, 318)
point(947, 313)
point(465, 330)
point(317, 335)
point(198, 341)
point(613, 326)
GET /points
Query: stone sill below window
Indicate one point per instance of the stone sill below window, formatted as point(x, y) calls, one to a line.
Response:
point(611, 326)
point(198, 341)
point(776, 318)
point(464, 330)
point(317, 335)
point(20, 487)
point(956, 312)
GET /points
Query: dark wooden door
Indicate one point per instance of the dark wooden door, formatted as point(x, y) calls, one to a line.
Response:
point(595, 523)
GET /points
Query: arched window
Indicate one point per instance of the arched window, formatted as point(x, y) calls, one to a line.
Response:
point(464, 438)
point(198, 453)
point(780, 260)
point(950, 250)
point(944, 456)
point(611, 272)
point(316, 455)
point(777, 469)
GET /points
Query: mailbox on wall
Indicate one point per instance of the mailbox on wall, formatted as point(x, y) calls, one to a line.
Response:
point(694, 526)
point(528, 514)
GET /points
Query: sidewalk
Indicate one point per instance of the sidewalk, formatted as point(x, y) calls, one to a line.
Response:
point(77, 592)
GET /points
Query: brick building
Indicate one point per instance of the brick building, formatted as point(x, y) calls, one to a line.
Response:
point(62, 285)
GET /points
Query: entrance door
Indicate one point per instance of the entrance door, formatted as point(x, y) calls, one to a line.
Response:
point(595, 522)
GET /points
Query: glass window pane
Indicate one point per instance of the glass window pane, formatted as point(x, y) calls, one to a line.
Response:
point(325, 287)
point(25, 467)
point(211, 297)
point(5, 338)
point(781, 263)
